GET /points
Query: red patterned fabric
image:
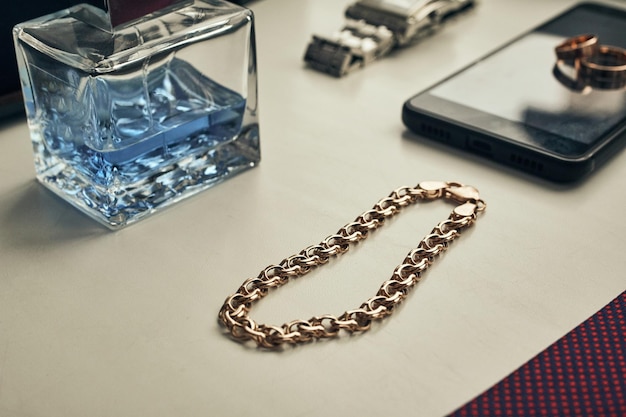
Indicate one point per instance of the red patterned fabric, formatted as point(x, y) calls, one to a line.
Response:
point(582, 374)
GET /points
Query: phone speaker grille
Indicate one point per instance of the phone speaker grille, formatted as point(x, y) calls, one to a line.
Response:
point(526, 163)
point(434, 131)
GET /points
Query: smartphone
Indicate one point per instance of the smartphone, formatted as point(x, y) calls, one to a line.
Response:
point(510, 107)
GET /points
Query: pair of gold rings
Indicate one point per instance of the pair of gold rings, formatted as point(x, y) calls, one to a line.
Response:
point(595, 66)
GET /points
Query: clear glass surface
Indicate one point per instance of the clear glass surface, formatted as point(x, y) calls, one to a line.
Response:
point(126, 122)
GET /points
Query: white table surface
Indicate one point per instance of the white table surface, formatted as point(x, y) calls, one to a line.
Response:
point(99, 323)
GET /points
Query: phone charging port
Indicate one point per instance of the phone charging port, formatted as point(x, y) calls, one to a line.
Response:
point(479, 145)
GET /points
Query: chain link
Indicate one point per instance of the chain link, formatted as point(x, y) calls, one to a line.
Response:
point(234, 313)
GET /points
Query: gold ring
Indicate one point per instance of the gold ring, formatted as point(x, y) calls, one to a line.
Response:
point(606, 69)
point(576, 47)
point(574, 83)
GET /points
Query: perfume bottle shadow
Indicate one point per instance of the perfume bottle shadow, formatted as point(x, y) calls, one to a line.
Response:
point(34, 216)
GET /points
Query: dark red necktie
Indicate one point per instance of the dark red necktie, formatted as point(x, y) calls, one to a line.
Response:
point(583, 374)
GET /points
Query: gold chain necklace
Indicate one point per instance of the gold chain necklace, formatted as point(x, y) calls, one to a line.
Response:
point(234, 313)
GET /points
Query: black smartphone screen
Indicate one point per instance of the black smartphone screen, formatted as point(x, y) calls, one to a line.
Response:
point(513, 95)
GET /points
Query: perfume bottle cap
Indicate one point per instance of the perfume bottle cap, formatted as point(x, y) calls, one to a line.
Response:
point(122, 11)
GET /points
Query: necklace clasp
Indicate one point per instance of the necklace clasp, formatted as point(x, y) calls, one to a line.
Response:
point(462, 193)
point(467, 196)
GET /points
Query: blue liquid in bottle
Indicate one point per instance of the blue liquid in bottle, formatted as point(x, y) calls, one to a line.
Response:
point(122, 127)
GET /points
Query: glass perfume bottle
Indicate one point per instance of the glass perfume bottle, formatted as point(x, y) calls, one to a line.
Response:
point(128, 117)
